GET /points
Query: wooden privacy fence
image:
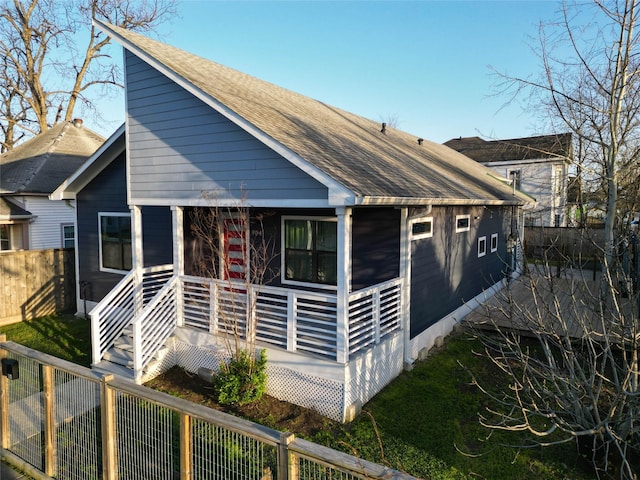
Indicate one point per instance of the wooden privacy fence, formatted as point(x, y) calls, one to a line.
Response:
point(59, 420)
point(34, 283)
point(568, 242)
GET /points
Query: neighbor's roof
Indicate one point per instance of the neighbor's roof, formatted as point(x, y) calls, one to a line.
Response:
point(11, 211)
point(350, 150)
point(542, 147)
point(42, 163)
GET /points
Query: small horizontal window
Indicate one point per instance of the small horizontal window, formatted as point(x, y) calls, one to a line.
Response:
point(421, 228)
point(463, 223)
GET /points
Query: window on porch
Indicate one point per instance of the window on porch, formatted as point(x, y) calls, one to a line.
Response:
point(4, 237)
point(310, 251)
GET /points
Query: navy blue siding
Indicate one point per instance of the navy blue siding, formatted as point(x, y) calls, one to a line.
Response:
point(446, 270)
point(375, 246)
point(180, 147)
point(107, 193)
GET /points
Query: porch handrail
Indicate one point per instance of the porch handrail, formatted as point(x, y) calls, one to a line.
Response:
point(111, 316)
point(154, 325)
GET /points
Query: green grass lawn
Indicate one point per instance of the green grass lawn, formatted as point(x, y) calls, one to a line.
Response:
point(63, 336)
point(425, 422)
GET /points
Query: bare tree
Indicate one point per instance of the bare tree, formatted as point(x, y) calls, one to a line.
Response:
point(569, 346)
point(572, 368)
point(47, 71)
point(590, 86)
point(233, 249)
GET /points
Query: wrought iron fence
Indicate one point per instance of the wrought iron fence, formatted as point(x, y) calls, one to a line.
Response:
point(59, 420)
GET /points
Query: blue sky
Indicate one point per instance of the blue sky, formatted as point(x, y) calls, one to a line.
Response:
point(425, 63)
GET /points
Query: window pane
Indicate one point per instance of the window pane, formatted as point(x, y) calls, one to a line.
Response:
point(327, 236)
point(420, 228)
point(298, 234)
point(116, 242)
point(327, 268)
point(299, 265)
point(112, 255)
point(4, 237)
point(463, 222)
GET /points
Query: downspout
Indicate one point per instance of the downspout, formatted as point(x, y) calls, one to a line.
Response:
point(405, 275)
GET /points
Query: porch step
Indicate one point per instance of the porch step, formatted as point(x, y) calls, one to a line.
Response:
point(107, 367)
point(120, 356)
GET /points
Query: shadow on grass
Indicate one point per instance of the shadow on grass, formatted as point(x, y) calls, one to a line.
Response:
point(62, 335)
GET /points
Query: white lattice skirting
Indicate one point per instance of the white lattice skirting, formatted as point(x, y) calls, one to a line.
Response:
point(334, 390)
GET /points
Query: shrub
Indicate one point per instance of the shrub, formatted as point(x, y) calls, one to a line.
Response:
point(243, 380)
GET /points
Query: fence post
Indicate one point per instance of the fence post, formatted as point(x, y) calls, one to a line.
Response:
point(108, 416)
point(186, 447)
point(5, 433)
point(287, 462)
point(49, 421)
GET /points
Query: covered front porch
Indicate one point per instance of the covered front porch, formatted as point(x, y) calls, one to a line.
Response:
point(141, 317)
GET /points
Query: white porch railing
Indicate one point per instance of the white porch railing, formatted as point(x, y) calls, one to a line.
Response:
point(154, 326)
point(295, 320)
point(116, 311)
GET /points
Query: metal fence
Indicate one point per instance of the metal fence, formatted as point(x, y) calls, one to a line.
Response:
point(59, 420)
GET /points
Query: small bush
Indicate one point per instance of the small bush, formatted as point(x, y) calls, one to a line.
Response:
point(243, 380)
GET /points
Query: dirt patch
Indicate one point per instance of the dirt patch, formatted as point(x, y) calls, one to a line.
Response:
point(268, 411)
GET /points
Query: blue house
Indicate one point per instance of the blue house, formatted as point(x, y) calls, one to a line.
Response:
point(382, 240)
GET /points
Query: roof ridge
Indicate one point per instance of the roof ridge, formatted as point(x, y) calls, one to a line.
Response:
point(47, 154)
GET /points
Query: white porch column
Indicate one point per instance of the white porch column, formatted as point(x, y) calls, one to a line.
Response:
point(177, 223)
point(343, 282)
point(405, 274)
point(177, 219)
point(137, 259)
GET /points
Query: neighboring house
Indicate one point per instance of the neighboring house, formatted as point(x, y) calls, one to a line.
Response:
point(538, 166)
point(384, 241)
point(29, 220)
point(99, 190)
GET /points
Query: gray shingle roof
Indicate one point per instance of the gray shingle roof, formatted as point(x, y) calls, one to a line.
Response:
point(529, 148)
point(11, 211)
point(43, 162)
point(348, 148)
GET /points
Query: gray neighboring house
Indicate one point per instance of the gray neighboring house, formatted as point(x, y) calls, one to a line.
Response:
point(384, 241)
point(538, 165)
point(29, 220)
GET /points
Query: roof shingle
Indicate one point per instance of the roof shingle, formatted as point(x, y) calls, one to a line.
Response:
point(43, 162)
point(349, 148)
point(528, 148)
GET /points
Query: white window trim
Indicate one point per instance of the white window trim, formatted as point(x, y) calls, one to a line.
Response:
point(463, 229)
point(109, 214)
point(283, 279)
point(420, 220)
point(494, 236)
point(63, 238)
point(482, 241)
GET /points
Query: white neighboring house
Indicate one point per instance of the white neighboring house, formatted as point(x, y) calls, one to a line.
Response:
point(538, 166)
point(28, 174)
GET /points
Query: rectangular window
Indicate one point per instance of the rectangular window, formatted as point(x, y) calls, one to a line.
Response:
point(516, 177)
point(310, 251)
point(5, 243)
point(421, 228)
point(68, 235)
point(463, 223)
point(482, 246)
point(494, 242)
point(115, 241)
